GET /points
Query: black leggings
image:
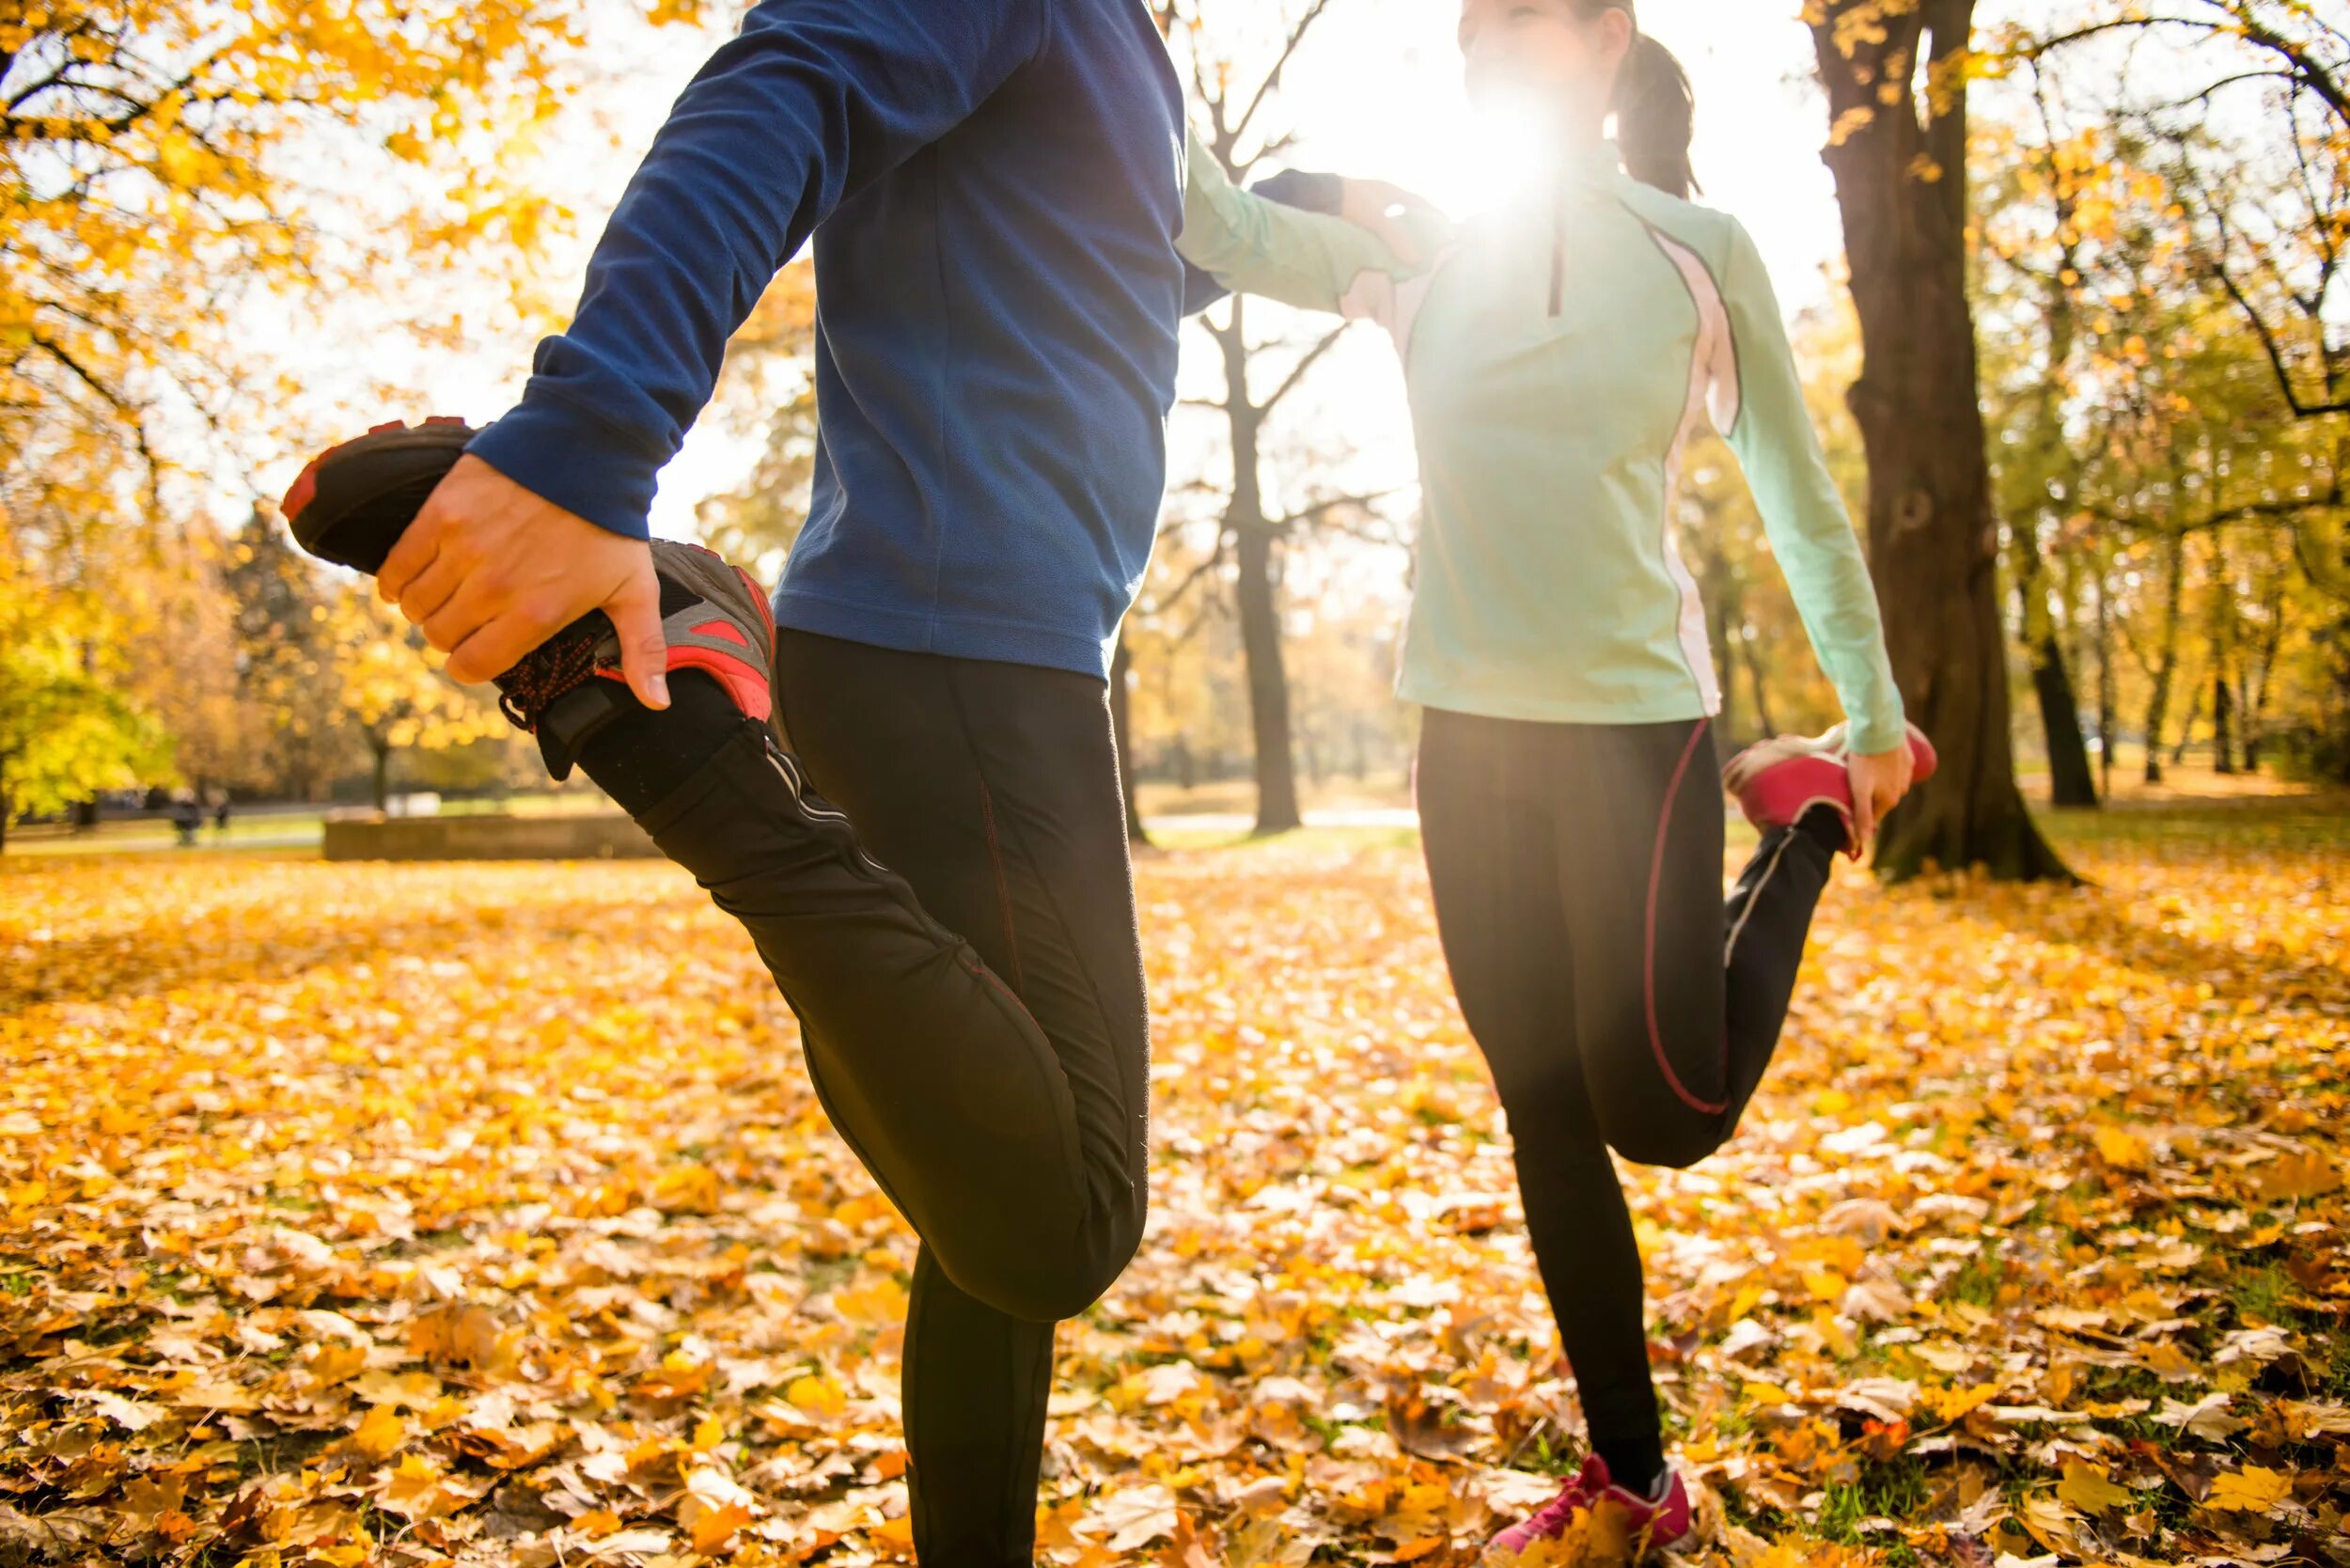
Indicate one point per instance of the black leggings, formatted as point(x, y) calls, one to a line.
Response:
point(1577, 872)
point(969, 988)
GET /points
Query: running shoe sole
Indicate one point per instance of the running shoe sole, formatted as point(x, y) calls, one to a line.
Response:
point(351, 503)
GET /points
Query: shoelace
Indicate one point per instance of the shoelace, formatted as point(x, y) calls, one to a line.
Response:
point(549, 671)
point(1554, 1516)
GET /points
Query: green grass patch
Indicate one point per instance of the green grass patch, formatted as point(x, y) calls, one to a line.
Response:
point(1979, 1282)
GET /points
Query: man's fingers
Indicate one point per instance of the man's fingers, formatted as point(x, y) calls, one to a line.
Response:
point(418, 545)
point(635, 613)
point(473, 603)
point(494, 647)
point(431, 589)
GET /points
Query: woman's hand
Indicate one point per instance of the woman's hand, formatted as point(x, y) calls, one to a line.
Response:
point(1395, 217)
point(1879, 783)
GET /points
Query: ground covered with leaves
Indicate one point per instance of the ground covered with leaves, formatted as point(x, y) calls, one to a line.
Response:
point(414, 1215)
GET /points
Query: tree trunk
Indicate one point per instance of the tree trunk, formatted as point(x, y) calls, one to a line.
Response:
point(1726, 723)
point(2222, 653)
point(383, 773)
point(1121, 707)
point(1901, 183)
point(2166, 659)
point(2222, 730)
point(1755, 680)
point(1268, 683)
point(1260, 614)
point(2070, 782)
point(2187, 731)
point(2105, 688)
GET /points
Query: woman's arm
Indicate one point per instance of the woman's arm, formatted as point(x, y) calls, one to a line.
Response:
point(1255, 246)
point(1770, 431)
point(1311, 192)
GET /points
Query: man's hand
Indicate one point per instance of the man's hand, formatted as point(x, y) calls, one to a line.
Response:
point(1879, 784)
point(1395, 217)
point(490, 571)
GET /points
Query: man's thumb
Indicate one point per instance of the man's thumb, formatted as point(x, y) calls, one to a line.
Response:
point(636, 612)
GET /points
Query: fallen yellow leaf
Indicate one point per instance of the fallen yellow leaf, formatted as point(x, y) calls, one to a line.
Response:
point(381, 1434)
point(715, 1528)
point(2252, 1490)
point(2086, 1487)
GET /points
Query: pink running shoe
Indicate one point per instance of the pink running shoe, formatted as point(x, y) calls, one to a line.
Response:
point(1649, 1525)
point(1777, 780)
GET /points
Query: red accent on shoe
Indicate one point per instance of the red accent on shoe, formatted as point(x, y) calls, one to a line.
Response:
point(1923, 759)
point(443, 419)
point(1551, 1520)
point(1650, 1524)
point(1780, 793)
point(725, 629)
point(388, 425)
point(766, 612)
point(304, 491)
point(744, 684)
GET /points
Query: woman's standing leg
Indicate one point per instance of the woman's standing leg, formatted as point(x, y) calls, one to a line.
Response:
point(1486, 790)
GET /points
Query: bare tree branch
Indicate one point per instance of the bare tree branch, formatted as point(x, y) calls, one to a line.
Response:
point(1321, 510)
point(1273, 77)
point(1304, 363)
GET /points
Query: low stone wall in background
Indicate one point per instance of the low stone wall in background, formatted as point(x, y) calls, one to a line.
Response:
point(611, 837)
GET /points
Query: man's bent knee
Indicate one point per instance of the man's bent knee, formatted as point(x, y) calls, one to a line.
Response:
point(1040, 1284)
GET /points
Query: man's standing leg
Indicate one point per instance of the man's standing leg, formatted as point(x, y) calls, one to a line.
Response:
point(993, 789)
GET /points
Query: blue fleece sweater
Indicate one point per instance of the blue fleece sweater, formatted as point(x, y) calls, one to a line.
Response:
point(994, 189)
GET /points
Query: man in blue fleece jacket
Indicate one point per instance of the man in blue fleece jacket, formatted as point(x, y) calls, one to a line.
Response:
point(994, 189)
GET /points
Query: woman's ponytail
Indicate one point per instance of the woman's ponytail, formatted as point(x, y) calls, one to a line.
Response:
point(1655, 117)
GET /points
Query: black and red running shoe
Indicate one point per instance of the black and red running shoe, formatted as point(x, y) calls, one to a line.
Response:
point(350, 504)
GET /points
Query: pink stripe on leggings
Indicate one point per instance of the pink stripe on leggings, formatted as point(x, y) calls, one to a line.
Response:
point(1656, 877)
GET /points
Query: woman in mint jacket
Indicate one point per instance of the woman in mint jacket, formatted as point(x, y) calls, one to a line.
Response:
point(1560, 360)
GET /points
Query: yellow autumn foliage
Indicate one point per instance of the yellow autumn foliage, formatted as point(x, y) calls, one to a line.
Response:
point(331, 1194)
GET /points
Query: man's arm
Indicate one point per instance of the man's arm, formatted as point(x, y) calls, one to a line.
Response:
point(810, 102)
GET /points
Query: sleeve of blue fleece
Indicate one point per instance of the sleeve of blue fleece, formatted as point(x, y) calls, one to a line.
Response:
point(808, 103)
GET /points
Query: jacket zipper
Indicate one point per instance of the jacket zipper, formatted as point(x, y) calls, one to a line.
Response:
point(1558, 256)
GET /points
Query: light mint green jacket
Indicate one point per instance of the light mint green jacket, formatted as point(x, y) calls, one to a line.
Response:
point(1558, 365)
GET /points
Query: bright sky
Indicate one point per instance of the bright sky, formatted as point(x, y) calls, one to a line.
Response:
point(1375, 91)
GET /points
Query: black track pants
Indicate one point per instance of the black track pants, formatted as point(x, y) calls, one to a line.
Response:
point(965, 971)
point(1577, 870)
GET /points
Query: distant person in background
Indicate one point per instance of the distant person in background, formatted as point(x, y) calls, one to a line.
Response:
point(220, 813)
point(1560, 359)
point(187, 817)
